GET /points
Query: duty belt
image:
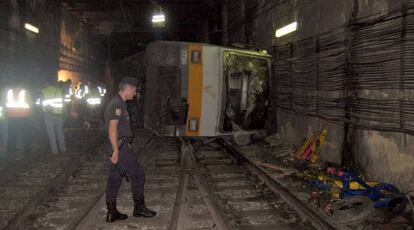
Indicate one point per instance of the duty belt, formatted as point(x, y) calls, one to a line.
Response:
point(121, 142)
point(125, 140)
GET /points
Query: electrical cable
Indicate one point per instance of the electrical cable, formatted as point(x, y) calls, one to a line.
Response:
point(374, 67)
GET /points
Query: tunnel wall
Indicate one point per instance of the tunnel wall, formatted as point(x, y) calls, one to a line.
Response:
point(311, 90)
point(63, 43)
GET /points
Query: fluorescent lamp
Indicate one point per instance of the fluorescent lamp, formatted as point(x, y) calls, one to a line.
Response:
point(158, 18)
point(32, 28)
point(286, 29)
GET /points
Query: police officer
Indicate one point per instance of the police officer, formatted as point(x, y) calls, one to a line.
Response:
point(123, 158)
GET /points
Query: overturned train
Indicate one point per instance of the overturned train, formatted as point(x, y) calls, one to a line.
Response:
point(203, 90)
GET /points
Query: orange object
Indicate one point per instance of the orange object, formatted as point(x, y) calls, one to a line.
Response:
point(18, 112)
point(311, 147)
point(195, 87)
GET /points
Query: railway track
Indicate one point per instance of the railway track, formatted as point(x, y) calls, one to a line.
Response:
point(192, 186)
point(243, 200)
point(162, 169)
point(200, 187)
point(36, 179)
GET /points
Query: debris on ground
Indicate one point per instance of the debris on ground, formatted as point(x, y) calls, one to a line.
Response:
point(342, 194)
point(273, 140)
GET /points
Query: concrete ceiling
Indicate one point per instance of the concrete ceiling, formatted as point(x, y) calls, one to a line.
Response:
point(127, 23)
point(120, 16)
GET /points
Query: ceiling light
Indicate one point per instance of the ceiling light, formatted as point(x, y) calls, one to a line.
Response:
point(158, 18)
point(286, 29)
point(32, 28)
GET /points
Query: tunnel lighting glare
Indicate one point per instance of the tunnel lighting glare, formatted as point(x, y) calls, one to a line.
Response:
point(286, 29)
point(158, 18)
point(1, 111)
point(32, 28)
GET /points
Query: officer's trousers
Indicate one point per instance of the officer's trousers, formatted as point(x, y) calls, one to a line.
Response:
point(129, 163)
point(54, 127)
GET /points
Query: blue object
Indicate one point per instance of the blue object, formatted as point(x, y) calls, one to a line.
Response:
point(320, 185)
point(382, 203)
point(375, 193)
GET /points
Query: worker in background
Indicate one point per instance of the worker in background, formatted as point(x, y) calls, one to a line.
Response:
point(53, 114)
point(120, 136)
point(101, 89)
point(83, 89)
point(67, 98)
point(81, 106)
point(67, 89)
point(93, 102)
point(18, 109)
point(80, 91)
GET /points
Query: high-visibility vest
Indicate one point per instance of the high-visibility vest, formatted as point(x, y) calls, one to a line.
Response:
point(102, 91)
point(52, 100)
point(82, 92)
point(18, 103)
point(93, 98)
point(68, 95)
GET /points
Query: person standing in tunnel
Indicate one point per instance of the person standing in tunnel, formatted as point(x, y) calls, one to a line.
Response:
point(52, 104)
point(120, 136)
point(18, 109)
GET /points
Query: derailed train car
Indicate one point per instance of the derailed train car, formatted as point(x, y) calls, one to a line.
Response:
point(203, 90)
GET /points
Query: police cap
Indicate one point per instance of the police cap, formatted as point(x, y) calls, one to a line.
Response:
point(129, 81)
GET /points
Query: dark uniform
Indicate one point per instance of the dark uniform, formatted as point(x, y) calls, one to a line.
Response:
point(117, 110)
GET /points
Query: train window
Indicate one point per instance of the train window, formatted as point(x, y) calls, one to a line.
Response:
point(193, 125)
point(246, 83)
point(196, 56)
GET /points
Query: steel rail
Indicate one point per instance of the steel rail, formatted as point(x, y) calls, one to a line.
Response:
point(318, 220)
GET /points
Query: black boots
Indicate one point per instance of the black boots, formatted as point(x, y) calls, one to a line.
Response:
point(113, 213)
point(140, 210)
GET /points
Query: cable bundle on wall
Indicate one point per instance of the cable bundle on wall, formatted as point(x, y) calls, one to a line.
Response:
point(362, 75)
